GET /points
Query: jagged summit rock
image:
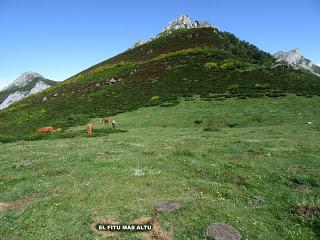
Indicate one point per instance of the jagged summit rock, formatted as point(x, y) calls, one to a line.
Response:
point(24, 79)
point(292, 57)
point(181, 22)
point(295, 59)
point(184, 22)
point(27, 84)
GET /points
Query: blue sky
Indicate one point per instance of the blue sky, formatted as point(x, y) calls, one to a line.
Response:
point(62, 37)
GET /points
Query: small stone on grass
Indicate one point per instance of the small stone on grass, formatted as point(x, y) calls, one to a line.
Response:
point(222, 231)
point(138, 173)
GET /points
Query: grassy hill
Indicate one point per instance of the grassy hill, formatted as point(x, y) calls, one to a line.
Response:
point(204, 62)
point(252, 163)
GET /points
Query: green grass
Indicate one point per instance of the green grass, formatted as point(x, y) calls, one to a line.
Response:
point(264, 140)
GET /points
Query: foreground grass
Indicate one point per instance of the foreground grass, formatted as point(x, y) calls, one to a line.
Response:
point(194, 153)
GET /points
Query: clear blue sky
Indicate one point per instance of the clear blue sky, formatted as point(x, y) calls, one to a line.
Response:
point(59, 38)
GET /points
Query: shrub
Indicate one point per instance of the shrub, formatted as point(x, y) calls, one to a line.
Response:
point(232, 125)
point(198, 121)
point(154, 100)
point(228, 64)
point(234, 86)
point(262, 86)
point(212, 66)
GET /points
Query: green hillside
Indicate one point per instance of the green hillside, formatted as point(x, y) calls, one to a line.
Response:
point(205, 62)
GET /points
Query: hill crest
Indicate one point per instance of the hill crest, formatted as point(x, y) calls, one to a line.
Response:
point(181, 22)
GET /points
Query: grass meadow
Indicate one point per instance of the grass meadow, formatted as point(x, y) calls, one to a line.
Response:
point(247, 162)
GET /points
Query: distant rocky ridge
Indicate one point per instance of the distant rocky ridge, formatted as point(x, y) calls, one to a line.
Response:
point(295, 59)
point(23, 80)
point(27, 84)
point(181, 22)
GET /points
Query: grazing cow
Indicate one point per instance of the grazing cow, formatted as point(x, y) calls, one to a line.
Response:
point(48, 130)
point(104, 120)
point(90, 128)
point(114, 124)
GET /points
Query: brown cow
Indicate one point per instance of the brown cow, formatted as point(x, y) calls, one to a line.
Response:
point(104, 120)
point(89, 128)
point(48, 130)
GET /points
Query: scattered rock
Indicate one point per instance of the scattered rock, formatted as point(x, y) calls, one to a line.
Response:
point(55, 95)
point(256, 200)
point(97, 84)
point(222, 231)
point(308, 123)
point(112, 80)
point(167, 207)
point(150, 52)
point(44, 99)
point(239, 180)
point(138, 173)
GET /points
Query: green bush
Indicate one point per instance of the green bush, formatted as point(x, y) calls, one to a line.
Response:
point(227, 64)
point(154, 100)
point(262, 86)
point(199, 121)
point(234, 86)
point(212, 66)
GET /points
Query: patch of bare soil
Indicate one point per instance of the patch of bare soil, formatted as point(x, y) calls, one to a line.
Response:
point(157, 232)
point(104, 233)
point(4, 178)
point(307, 211)
point(16, 204)
point(167, 207)
point(236, 158)
point(107, 153)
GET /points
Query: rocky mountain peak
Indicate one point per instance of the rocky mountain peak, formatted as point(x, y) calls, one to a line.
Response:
point(292, 57)
point(184, 22)
point(295, 59)
point(27, 84)
point(24, 79)
point(181, 22)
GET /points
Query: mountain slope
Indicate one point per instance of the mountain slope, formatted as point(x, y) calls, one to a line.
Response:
point(28, 83)
point(199, 61)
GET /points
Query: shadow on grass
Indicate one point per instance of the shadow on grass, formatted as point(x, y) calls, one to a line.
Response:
point(59, 135)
